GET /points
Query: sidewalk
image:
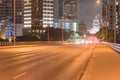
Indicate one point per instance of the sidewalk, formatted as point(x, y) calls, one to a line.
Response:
point(104, 65)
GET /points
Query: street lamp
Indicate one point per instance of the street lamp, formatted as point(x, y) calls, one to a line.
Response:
point(62, 34)
point(48, 35)
point(62, 29)
point(98, 1)
point(61, 22)
point(106, 15)
point(14, 37)
point(115, 21)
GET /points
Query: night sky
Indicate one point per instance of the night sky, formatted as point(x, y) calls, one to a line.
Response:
point(88, 10)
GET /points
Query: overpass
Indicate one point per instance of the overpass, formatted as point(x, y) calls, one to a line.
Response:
point(94, 61)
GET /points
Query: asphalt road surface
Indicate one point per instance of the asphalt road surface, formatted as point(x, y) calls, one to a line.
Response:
point(45, 62)
point(103, 65)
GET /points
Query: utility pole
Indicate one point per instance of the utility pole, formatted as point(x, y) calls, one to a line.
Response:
point(14, 37)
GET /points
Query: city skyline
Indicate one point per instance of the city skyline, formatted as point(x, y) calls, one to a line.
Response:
point(65, 14)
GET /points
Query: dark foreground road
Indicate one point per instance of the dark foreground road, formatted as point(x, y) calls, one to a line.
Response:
point(60, 62)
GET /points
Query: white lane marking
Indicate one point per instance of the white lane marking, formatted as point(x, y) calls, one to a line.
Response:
point(20, 75)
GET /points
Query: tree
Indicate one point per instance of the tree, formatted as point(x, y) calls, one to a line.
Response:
point(102, 34)
point(110, 36)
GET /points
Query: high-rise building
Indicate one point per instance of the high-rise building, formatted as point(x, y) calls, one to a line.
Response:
point(7, 14)
point(70, 10)
point(104, 12)
point(68, 14)
point(118, 32)
point(58, 12)
point(7, 11)
point(27, 14)
point(60, 9)
point(110, 13)
point(48, 13)
point(119, 18)
point(38, 13)
point(33, 14)
point(112, 16)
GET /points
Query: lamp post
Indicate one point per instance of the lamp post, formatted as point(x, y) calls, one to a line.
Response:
point(115, 21)
point(14, 37)
point(106, 16)
point(106, 13)
point(62, 34)
point(62, 29)
point(48, 36)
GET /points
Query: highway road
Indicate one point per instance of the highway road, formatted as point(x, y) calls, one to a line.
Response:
point(45, 62)
point(103, 65)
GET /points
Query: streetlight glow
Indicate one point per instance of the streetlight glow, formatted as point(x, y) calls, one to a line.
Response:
point(98, 1)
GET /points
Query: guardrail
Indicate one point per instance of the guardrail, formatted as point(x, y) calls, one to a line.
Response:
point(113, 46)
point(29, 43)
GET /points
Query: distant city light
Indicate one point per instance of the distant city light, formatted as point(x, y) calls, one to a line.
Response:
point(56, 25)
point(74, 27)
point(96, 26)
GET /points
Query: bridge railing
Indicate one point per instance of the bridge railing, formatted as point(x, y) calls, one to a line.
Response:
point(30, 43)
point(113, 46)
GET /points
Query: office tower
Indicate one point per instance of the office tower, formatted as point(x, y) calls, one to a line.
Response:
point(119, 18)
point(104, 12)
point(70, 9)
point(110, 13)
point(27, 14)
point(118, 30)
point(71, 14)
point(48, 11)
point(7, 11)
point(60, 9)
point(38, 13)
point(112, 17)
point(58, 13)
point(7, 16)
point(33, 13)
